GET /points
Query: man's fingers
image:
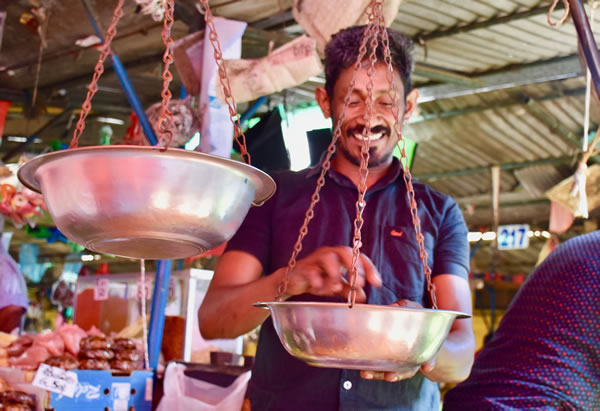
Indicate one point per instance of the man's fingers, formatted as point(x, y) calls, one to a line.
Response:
point(372, 375)
point(331, 266)
point(388, 376)
point(371, 273)
point(407, 304)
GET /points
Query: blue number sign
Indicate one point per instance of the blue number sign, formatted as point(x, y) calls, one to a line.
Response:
point(513, 237)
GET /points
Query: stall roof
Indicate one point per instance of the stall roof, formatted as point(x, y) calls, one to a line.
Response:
point(499, 86)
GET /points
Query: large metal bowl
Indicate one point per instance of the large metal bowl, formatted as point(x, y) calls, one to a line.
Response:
point(364, 337)
point(140, 202)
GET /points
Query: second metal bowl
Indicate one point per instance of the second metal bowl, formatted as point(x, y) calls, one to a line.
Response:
point(364, 337)
point(141, 202)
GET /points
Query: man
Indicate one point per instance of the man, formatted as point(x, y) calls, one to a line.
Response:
point(391, 270)
point(545, 355)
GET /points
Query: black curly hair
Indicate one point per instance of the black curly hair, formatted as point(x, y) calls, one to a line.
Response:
point(341, 52)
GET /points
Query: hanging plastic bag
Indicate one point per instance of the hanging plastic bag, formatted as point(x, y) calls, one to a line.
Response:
point(186, 393)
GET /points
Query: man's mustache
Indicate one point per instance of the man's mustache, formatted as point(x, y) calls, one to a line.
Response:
point(359, 130)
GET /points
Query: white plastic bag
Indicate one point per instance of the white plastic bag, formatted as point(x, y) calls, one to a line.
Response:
point(185, 393)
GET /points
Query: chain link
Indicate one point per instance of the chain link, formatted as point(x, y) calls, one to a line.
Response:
point(165, 120)
point(98, 70)
point(240, 138)
point(282, 287)
point(394, 95)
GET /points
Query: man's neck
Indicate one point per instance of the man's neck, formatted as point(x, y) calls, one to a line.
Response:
point(353, 172)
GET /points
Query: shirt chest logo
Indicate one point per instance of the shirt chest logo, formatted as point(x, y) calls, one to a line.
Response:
point(396, 233)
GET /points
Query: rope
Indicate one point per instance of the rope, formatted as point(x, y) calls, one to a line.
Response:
point(564, 16)
point(144, 325)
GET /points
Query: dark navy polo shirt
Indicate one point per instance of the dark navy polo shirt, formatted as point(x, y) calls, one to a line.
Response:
point(280, 381)
point(545, 354)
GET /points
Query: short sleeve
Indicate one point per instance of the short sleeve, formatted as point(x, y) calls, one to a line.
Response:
point(451, 255)
point(254, 235)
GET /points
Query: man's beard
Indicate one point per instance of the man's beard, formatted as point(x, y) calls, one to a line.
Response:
point(374, 160)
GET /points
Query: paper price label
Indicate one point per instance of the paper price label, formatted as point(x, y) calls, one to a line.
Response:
point(146, 289)
point(101, 290)
point(55, 380)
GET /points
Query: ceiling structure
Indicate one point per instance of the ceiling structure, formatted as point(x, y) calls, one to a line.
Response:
point(498, 86)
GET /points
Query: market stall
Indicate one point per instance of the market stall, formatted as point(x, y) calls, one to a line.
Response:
point(154, 203)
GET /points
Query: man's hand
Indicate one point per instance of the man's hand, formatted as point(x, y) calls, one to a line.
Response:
point(322, 273)
point(399, 376)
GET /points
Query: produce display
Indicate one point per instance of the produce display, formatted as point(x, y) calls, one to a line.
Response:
point(71, 348)
point(14, 400)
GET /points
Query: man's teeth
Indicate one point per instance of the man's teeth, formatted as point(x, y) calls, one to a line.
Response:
point(371, 137)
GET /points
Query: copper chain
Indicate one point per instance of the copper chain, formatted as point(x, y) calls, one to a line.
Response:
point(394, 95)
point(372, 35)
point(98, 70)
point(281, 289)
point(165, 120)
point(240, 138)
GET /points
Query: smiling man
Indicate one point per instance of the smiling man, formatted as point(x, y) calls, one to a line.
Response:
point(391, 271)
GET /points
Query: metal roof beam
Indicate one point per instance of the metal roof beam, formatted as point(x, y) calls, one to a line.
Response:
point(552, 70)
point(504, 104)
point(504, 166)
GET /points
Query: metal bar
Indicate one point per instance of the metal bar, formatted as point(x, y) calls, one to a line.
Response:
point(534, 108)
point(587, 42)
point(132, 97)
point(505, 166)
point(523, 75)
point(32, 137)
point(504, 104)
point(157, 315)
point(252, 109)
point(447, 76)
point(484, 24)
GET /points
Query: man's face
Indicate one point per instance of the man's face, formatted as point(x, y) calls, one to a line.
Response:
point(383, 137)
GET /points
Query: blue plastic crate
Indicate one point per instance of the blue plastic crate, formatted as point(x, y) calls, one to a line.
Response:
point(101, 390)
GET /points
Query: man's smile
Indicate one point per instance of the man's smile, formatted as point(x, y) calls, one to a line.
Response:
point(375, 134)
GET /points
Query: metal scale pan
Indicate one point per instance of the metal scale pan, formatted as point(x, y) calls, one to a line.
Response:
point(141, 202)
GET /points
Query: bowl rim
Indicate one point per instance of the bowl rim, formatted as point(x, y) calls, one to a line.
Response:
point(369, 307)
point(265, 185)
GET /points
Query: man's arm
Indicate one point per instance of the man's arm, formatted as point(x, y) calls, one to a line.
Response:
point(227, 310)
point(455, 358)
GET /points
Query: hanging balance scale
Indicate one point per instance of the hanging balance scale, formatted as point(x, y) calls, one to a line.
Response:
point(362, 336)
point(148, 202)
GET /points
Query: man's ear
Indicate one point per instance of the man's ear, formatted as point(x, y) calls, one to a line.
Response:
point(411, 103)
point(323, 101)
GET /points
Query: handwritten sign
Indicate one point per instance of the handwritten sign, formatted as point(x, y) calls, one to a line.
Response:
point(513, 237)
point(101, 290)
point(55, 380)
point(143, 287)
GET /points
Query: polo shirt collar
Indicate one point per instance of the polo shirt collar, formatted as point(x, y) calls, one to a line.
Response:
point(394, 173)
